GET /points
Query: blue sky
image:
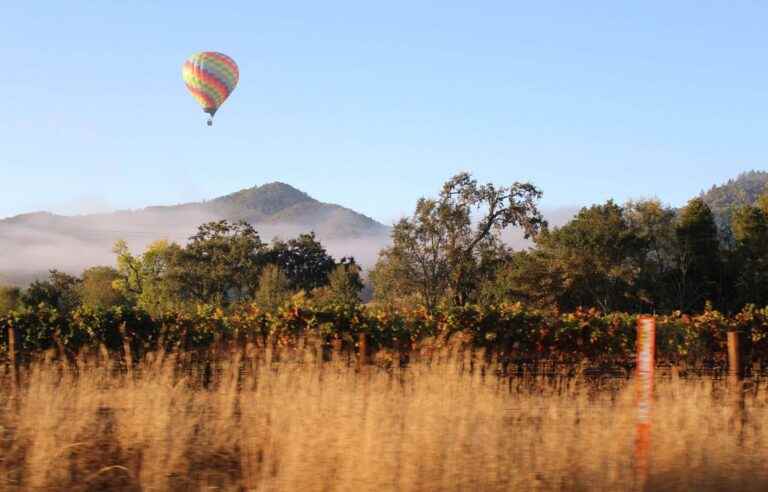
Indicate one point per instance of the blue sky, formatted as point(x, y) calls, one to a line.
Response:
point(372, 106)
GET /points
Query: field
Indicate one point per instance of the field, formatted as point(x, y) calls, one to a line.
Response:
point(258, 419)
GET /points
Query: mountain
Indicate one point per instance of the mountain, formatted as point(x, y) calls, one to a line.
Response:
point(281, 204)
point(35, 242)
point(743, 190)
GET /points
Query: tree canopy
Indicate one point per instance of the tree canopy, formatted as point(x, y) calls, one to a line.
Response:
point(437, 253)
point(640, 256)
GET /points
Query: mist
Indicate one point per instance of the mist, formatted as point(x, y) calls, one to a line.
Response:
point(555, 217)
point(33, 244)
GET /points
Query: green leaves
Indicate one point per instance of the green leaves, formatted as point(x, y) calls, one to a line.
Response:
point(438, 253)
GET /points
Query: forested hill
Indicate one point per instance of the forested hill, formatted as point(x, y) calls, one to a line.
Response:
point(270, 205)
point(280, 203)
point(743, 190)
point(36, 242)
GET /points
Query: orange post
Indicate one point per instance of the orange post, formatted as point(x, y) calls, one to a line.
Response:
point(646, 348)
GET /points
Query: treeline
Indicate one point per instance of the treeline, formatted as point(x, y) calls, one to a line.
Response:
point(223, 265)
point(638, 257)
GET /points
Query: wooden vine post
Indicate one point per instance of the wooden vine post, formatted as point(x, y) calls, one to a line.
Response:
point(12, 356)
point(336, 349)
point(60, 347)
point(362, 350)
point(736, 370)
point(735, 356)
point(126, 348)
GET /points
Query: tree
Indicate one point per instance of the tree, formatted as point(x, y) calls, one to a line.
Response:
point(98, 288)
point(9, 298)
point(304, 261)
point(698, 274)
point(145, 280)
point(437, 252)
point(749, 259)
point(274, 288)
point(391, 282)
point(750, 228)
point(220, 264)
point(653, 224)
point(532, 277)
point(596, 258)
point(344, 286)
point(131, 276)
point(762, 201)
point(60, 291)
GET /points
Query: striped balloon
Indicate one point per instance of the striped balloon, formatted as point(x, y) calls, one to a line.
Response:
point(210, 77)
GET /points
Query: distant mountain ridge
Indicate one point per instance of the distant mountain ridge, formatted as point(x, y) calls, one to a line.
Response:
point(280, 203)
point(35, 242)
point(269, 204)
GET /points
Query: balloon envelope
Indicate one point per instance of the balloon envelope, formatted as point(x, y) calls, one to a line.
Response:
point(210, 77)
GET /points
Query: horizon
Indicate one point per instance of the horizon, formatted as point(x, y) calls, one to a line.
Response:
point(559, 211)
point(588, 104)
point(145, 207)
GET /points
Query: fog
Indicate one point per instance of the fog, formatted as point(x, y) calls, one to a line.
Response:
point(555, 217)
point(32, 244)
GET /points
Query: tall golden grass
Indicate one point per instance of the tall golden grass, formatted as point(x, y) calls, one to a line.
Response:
point(261, 420)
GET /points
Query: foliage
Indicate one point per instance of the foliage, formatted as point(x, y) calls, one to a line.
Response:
point(514, 331)
point(437, 253)
point(60, 291)
point(447, 271)
point(9, 298)
point(531, 277)
point(220, 263)
point(144, 279)
point(597, 253)
point(97, 288)
point(699, 260)
point(723, 200)
point(274, 288)
point(344, 286)
point(749, 257)
point(656, 261)
point(304, 261)
point(639, 257)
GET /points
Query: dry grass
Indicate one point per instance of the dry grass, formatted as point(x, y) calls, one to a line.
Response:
point(300, 424)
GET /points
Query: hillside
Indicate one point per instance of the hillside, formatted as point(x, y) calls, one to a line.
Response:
point(35, 242)
point(743, 190)
point(279, 204)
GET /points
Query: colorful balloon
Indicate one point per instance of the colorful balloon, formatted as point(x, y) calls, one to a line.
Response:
point(210, 77)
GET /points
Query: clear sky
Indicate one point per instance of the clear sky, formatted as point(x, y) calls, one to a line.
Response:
point(373, 104)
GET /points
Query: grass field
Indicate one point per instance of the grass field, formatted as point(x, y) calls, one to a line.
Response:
point(256, 421)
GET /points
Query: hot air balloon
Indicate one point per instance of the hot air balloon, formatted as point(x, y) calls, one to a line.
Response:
point(210, 77)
